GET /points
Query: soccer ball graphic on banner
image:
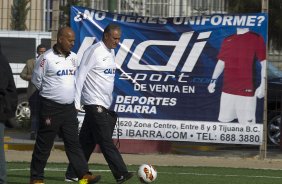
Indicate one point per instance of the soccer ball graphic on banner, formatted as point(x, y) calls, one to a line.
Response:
point(147, 173)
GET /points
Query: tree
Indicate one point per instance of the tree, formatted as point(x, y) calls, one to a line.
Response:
point(275, 23)
point(275, 14)
point(19, 11)
point(243, 6)
point(65, 15)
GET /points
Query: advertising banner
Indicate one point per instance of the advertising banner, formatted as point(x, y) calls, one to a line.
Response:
point(198, 79)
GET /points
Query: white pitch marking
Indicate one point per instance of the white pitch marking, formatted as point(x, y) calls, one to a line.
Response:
point(196, 174)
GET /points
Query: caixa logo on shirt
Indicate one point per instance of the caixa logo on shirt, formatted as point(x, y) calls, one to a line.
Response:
point(110, 71)
point(66, 72)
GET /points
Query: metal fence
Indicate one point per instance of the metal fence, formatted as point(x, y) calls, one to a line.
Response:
point(40, 13)
point(40, 18)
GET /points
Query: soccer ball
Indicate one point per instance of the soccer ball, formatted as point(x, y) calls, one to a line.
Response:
point(147, 173)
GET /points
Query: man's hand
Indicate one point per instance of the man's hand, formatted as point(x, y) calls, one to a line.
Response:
point(211, 87)
point(81, 109)
point(260, 91)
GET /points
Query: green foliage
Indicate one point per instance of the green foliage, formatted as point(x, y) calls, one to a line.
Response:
point(243, 6)
point(275, 14)
point(275, 23)
point(65, 11)
point(19, 11)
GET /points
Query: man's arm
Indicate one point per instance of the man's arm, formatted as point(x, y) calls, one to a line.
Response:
point(39, 72)
point(216, 73)
point(260, 91)
point(24, 74)
point(83, 69)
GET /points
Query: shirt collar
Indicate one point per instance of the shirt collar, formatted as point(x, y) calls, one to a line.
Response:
point(56, 51)
point(103, 44)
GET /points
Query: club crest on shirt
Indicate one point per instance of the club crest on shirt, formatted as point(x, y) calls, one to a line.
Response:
point(99, 109)
point(48, 121)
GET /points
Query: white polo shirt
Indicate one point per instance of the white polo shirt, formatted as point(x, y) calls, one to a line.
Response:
point(54, 76)
point(96, 75)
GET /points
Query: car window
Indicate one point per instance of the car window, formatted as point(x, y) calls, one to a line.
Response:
point(273, 71)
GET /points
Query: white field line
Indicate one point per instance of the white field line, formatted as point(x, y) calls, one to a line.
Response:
point(182, 173)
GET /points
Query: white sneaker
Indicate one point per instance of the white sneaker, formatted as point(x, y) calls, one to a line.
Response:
point(71, 179)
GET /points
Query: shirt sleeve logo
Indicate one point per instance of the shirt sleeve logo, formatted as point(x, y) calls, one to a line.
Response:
point(42, 62)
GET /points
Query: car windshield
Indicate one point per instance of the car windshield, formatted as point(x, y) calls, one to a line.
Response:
point(273, 72)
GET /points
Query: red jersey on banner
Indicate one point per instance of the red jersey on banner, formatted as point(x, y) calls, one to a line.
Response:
point(239, 53)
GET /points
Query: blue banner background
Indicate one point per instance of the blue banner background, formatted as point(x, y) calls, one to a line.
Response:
point(200, 105)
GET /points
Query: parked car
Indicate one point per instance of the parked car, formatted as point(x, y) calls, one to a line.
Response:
point(274, 100)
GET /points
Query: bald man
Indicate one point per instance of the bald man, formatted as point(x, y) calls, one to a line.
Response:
point(54, 77)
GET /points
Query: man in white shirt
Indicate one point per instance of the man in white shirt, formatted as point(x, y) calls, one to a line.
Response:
point(54, 77)
point(94, 87)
